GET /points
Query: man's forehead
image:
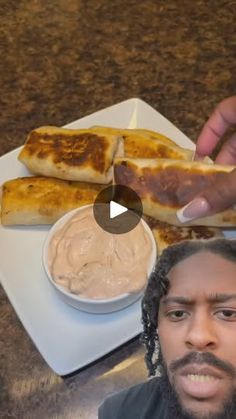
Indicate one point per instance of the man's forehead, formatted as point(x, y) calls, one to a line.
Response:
point(203, 272)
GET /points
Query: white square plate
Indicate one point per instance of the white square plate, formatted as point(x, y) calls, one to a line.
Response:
point(67, 338)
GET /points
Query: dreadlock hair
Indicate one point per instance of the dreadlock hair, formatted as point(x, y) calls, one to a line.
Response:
point(158, 285)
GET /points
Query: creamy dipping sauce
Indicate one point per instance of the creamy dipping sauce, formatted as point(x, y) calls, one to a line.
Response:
point(92, 263)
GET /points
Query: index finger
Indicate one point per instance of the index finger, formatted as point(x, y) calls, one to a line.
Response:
point(222, 118)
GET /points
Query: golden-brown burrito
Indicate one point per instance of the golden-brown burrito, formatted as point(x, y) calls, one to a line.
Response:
point(129, 131)
point(78, 155)
point(165, 234)
point(42, 200)
point(165, 186)
point(140, 143)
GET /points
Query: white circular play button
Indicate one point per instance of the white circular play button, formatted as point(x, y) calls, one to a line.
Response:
point(117, 209)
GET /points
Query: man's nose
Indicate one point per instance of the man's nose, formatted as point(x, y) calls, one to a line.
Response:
point(201, 333)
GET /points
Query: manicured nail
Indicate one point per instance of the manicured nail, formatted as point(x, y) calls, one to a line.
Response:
point(197, 208)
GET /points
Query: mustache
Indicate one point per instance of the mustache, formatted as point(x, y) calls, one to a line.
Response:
point(203, 358)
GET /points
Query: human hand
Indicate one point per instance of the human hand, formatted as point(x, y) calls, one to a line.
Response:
point(223, 117)
point(223, 195)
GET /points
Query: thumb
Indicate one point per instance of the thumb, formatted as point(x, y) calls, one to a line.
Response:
point(219, 197)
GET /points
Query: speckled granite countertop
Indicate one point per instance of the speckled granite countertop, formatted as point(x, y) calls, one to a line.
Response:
point(64, 59)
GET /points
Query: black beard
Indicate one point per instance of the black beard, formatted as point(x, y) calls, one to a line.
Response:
point(175, 409)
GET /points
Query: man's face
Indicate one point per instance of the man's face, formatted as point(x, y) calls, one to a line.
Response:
point(197, 331)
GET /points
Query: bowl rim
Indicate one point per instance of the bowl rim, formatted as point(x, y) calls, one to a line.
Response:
point(59, 224)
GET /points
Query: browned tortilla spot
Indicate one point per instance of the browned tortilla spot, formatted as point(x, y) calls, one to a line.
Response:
point(172, 186)
point(145, 150)
point(88, 149)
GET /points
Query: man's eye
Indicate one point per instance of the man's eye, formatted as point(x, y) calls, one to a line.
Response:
point(176, 315)
point(227, 314)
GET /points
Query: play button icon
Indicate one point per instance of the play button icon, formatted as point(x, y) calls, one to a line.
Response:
point(117, 209)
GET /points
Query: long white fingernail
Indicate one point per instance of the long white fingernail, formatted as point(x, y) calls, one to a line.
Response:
point(197, 208)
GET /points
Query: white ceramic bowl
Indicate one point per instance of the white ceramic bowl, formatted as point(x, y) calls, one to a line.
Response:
point(98, 306)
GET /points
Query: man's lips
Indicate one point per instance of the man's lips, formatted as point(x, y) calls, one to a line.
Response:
point(201, 370)
point(200, 381)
